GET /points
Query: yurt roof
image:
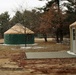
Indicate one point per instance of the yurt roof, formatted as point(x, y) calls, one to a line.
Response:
point(19, 29)
point(73, 24)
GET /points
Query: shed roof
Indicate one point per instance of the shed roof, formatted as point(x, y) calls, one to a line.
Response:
point(73, 24)
point(19, 29)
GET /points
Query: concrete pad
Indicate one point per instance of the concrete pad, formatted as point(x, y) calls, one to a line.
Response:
point(45, 55)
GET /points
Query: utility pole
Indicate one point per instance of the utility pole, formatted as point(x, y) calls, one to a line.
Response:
point(25, 37)
point(74, 5)
point(25, 33)
point(59, 33)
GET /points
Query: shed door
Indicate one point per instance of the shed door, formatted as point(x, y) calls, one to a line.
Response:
point(74, 39)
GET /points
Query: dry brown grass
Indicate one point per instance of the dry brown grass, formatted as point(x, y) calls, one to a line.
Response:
point(36, 67)
point(39, 46)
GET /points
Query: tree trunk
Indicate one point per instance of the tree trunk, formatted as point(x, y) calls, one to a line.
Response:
point(45, 37)
point(2, 33)
point(59, 35)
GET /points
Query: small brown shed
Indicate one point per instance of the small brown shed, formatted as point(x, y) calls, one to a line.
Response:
point(73, 37)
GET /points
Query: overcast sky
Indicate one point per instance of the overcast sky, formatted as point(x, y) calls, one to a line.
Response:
point(12, 5)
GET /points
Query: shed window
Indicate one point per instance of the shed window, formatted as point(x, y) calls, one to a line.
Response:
point(73, 34)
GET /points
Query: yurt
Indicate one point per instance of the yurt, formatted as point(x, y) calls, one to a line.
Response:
point(73, 37)
point(19, 34)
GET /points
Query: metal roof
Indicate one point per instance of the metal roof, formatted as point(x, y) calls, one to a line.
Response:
point(19, 29)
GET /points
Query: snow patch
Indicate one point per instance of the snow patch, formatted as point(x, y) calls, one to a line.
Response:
point(35, 47)
point(69, 52)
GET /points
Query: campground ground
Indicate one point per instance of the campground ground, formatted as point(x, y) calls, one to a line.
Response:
point(14, 62)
